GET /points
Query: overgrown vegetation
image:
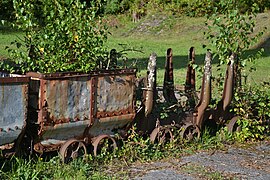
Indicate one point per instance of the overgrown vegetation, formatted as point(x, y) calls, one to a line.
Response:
point(233, 32)
point(143, 7)
point(70, 37)
point(251, 104)
point(187, 7)
point(135, 149)
point(64, 36)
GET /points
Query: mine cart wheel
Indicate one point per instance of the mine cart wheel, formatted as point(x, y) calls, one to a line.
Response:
point(189, 132)
point(161, 135)
point(23, 146)
point(103, 142)
point(72, 149)
point(233, 126)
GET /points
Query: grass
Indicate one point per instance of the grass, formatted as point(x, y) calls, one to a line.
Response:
point(135, 151)
point(153, 41)
point(38, 168)
point(203, 172)
point(180, 34)
point(5, 40)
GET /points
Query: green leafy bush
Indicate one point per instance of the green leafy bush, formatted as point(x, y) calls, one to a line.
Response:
point(112, 7)
point(65, 36)
point(252, 104)
point(6, 9)
point(117, 6)
point(233, 32)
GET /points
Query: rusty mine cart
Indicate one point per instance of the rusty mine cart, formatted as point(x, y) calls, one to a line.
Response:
point(69, 111)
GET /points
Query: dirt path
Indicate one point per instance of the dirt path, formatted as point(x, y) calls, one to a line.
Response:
point(236, 163)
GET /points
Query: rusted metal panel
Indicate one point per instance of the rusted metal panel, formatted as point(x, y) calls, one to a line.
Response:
point(13, 107)
point(65, 107)
point(108, 124)
point(64, 131)
point(115, 95)
point(83, 105)
point(67, 100)
point(115, 102)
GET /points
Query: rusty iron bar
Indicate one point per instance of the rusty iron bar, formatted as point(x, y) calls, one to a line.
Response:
point(229, 83)
point(112, 63)
point(12, 80)
point(190, 77)
point(222, 112)
point(205, 91)
point(168, 84)
point(151, 84)
point(67, 75)
point(237, 73)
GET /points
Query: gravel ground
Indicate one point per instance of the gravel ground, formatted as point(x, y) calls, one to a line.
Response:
point(251, 162)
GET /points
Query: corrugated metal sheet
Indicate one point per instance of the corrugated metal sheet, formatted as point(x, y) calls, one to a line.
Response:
point(13, 107)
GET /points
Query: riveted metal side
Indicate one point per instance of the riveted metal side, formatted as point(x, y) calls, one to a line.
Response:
point(115, 95)
point(68, 100)
point(72, 105)
point(93, 111)
point(107, 125)
point(13, 107)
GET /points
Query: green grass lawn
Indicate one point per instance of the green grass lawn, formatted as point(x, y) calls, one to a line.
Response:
point(158, 40)
point(8, 35)
point(179, 34)
point(157, 33)
point(5, 39)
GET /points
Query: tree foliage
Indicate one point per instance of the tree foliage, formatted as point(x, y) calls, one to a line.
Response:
point(188, 7)
point(7, 10)
point(233, 32)
point(65, 35)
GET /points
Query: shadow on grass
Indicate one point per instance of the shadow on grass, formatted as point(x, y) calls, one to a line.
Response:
point(180, 62)
point(7, 29)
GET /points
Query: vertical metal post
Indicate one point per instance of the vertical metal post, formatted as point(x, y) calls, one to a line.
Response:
point(168, 84)
point(112, 64)
point(190, 77)
point(205, 91)
point(229, 83)
point(151, 84)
